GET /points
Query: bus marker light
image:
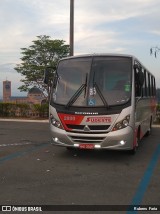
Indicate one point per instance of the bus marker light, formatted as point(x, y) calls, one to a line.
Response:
point(55, 139)
point(97, 146)
point(122, 142)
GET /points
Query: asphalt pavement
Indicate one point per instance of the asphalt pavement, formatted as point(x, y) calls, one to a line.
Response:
point(33, 172)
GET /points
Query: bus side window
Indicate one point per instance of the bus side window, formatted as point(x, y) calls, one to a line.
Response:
point(147, 90)
point(144, 89)
point(154, 87)
point(138, 82)
point(149, 85)
point(152, 90)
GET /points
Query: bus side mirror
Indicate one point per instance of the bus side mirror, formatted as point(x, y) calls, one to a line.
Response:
point(46, 76)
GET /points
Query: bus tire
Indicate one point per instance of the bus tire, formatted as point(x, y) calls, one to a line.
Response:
point(134, 150)
point(150, 129)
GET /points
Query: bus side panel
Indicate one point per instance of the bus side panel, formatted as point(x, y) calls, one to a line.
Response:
point(145, 115)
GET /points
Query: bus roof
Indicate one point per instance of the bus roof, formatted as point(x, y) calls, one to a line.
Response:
point(101, 54)
point(107, 54)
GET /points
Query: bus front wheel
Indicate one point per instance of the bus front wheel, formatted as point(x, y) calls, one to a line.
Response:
point(134, 150)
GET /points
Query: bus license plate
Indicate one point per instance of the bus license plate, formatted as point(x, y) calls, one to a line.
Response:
point(86, 146)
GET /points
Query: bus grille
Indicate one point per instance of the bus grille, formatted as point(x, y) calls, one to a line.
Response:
point(93, 128)
point(78, 139)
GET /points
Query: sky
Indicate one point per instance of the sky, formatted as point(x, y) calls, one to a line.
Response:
point(100, 26)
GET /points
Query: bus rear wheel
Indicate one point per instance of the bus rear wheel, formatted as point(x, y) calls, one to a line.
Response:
point(150, 129)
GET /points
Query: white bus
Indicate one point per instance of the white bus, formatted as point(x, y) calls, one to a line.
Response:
point(102, 101)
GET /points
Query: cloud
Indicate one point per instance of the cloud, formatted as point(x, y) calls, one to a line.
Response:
point(114, 25)
point(110, 11)
point(126, 26)
point(23, 20)
point(156, 32)
point(7, 67)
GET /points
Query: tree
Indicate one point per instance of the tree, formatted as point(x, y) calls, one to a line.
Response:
point(43, 53)
point(154, 50)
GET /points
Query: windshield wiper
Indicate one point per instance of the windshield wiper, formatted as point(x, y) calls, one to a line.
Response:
point(101, 95)
point(78, 92)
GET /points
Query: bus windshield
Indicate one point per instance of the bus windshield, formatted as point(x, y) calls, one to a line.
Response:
point(93, 81)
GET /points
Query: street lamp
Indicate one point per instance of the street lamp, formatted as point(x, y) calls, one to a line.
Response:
point(71, 27)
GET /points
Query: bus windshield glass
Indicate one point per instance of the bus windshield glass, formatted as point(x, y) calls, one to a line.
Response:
point(93, 81)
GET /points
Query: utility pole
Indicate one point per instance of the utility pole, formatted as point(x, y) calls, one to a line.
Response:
point(71, 27)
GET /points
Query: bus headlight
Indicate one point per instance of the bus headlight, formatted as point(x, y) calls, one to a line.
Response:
point(55, 122)
point(122, 124)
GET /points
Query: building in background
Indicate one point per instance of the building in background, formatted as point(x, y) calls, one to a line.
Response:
point(6, 91)
point(34, 96)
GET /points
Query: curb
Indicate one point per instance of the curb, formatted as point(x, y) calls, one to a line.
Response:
point(23, 120)
point(156, 125)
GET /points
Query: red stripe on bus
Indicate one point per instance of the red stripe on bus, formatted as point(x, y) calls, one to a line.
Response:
point(70, 119)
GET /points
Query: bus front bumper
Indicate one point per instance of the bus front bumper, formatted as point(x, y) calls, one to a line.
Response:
point(116, 140)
